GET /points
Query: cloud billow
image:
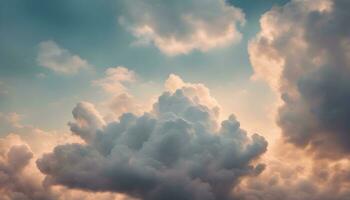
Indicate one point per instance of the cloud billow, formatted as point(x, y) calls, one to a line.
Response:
point(176, 151)
point(15, 183)
point(303, 51)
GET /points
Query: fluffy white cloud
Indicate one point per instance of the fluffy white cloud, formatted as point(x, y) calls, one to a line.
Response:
point(123, 103)
point(60, 60)
point(303, 51)
point(175, 151)
point(196, 91)
point(116, 84)
point(179, 27)
point(115, 80)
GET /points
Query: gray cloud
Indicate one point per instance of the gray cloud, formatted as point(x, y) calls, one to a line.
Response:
point(303, 51)
point(21, 180)
point(174, 152)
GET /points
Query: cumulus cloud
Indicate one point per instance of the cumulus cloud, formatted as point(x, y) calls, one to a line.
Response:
point(179, 27)
point(303, 51)
point(115, 80)
point(88, 121)
point(15, 181)
point(21, 180)
point(11, 124)
point(196, 91)
point(116, 83)
point(174, 151)
point(123, 103)
point(59, 60)
point(293, 175)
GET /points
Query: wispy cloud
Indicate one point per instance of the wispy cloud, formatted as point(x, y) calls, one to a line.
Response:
point(58, 59)
point(115, 80)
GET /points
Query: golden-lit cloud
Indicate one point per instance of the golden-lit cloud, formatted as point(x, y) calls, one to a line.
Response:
point(115, 80)
point(179, 27)
point(302, 52)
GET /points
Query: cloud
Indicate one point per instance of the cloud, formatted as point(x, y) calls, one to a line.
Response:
point(115, 80)
point(174, 151)
point(11, 124)
point(196, 91)
point(21, 180)
point(116, 84)
point(88, 121)
point(16, 180)
point(123, 103)
point(59, 60)
point(292, 174)
point(303, 51)
point(179, 27)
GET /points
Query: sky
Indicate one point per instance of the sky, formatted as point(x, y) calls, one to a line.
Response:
point(189, 99)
